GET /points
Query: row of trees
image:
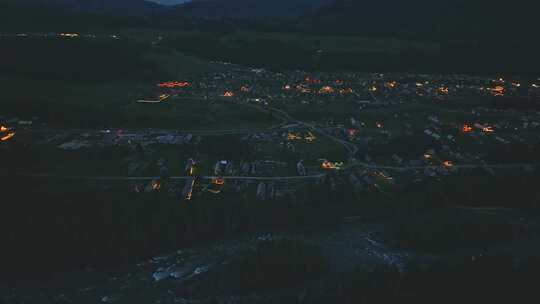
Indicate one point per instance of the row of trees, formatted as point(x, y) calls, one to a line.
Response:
point(65, 224)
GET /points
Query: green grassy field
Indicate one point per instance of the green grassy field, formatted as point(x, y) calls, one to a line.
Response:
point(65, 91)
point(330, 43)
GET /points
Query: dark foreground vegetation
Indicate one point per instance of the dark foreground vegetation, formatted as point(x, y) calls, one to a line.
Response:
point(491, 279)
point(482, 279)
point(56, 223)
point(61, 224)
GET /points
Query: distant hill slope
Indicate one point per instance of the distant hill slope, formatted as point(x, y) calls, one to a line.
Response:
point(248, 9)
point(113, 7)
point(204, 9)
point(420, 17)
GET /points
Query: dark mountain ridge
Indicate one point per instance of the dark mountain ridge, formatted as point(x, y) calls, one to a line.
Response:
point(413, 17)
point(249, 9)
point(106, 7)
point(458, 18)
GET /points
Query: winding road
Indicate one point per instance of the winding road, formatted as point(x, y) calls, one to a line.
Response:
point(285, 119)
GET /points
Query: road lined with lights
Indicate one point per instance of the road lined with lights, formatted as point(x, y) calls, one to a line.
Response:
point(350, 147)
point(193, 132)
point(173, 178)
point(470, 166)
point(353, 149)
point(274, 178)
point(286, 120)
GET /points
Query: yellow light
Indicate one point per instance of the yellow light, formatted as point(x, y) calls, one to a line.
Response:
point(327, 165)
point(444, 90)
point(218, 181)
point(292, 136)
point(488, 130)
point(448, 164)
point(70, 35)
point(173, 84)
point(310, 137)
point(8, 136)
point(190, 193)
point(391, 84)
point(498, 91)
point(326, 90)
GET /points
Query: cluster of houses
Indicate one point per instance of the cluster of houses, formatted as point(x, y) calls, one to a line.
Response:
point(105, 138)
point(300, 90)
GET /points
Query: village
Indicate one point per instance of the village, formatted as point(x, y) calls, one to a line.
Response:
point(285, 151)
point(359, 130)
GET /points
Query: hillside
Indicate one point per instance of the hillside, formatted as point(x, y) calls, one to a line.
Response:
point(248, 9)
point(116, 7)
point(457, 18)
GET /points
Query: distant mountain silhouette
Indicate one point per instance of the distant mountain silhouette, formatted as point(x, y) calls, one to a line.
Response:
point(248, 9)
point(433, 17)
point(111, 7)
point(205, 9)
